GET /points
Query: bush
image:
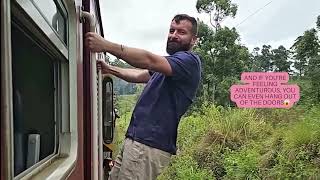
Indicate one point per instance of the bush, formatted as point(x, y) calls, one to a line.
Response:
point(229, 143)
point(242, 164)
point(184, 167)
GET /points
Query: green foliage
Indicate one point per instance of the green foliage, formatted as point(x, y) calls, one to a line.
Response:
point(313, 74)
point(305, 131)
point(185, 168)
point(266, 63)
point(299, 152)
point(125, 105)
point(220, 9)
point(232, 143)
point(223, 59)
point(305, 47)
point(190, 129)
point(270, 60)
point(242, 164)
point(306, 92)
point(241, 125)
point(223, 92)
point(222, 55)
point(119, 63)
point(318, 22)
point(280, 59)
point(229, 143)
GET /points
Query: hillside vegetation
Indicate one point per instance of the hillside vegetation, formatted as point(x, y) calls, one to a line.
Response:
point(232, 143)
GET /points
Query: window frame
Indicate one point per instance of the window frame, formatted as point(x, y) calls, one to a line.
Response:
point(61, 8)
point(38, 18)
point(58, 84)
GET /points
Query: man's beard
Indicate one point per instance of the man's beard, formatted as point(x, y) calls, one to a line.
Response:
point(173, 47)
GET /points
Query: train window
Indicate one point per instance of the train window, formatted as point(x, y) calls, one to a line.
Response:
point(55, 15)
point(107, 112)
point(36, 104)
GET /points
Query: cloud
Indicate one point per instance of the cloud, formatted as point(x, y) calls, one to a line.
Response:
point(144, 23)
point(279, 21)
point(287, 43)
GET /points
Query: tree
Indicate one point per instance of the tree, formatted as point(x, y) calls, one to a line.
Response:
point(117, 62)
point(304, 48)
point(222, 57)
point(218, 10)
point(313, 73)
point(280, 59)
point(318, 22)
point(254, 64)
point(266, 58)
point(306, 51)
point(221, 53)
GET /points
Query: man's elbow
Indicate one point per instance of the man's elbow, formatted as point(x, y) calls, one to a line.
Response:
point(159, 64)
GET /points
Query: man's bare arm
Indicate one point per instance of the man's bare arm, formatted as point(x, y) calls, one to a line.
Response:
point(131, 75)
point(136, 57)
point(127, 74)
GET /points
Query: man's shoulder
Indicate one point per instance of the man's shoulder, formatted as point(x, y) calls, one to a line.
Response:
point(186, 55)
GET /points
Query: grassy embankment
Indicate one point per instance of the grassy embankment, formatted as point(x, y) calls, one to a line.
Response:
point(221, 143)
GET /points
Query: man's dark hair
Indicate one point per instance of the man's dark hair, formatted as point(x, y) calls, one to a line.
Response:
point(177, 18)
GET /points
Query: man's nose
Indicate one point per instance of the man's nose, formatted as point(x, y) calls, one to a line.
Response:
point(173, 35)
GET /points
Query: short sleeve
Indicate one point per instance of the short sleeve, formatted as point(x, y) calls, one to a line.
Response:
point(183, 65)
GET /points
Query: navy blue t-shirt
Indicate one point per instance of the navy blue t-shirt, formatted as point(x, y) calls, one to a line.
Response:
point(164, 100)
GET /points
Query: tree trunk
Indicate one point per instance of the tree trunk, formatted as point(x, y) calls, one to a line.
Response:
point(213, 91)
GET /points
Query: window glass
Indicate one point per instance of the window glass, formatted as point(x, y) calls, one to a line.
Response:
point(34, 97)
point(54, 15)
point(108, 115)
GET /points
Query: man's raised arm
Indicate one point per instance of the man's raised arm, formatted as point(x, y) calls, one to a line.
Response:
point(138, 58)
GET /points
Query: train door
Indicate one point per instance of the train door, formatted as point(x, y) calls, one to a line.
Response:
point(98, 93)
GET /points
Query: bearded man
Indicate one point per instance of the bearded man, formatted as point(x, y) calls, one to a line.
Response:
point(171, 86)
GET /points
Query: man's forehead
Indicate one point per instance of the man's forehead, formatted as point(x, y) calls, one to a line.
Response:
point(181, 24)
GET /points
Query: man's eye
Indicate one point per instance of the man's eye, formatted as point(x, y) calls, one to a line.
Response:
point(171, 30)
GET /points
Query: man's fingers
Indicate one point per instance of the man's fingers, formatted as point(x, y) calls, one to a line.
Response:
point(93, 42)
point(89, 43)
point(89, 34)
point(103, 66)
point(99, 66)
point(88, 38)
point(100, 63)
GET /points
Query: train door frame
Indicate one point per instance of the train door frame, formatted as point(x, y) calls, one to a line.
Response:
point(6, 93)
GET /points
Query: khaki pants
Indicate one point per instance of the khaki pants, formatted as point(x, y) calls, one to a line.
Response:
point(137, 161)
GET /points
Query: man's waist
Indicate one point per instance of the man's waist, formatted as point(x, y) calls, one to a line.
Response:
point(154, 142)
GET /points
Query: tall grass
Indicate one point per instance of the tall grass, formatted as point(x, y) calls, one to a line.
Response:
point(125, 105)
point(249, 144)
point(229, 143)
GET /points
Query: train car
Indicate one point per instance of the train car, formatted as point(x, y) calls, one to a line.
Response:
point(57, 114)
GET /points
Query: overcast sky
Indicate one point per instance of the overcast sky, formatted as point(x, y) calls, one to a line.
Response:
point(145, 23)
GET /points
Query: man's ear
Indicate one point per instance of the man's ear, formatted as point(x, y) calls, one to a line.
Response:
point(194, 40)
